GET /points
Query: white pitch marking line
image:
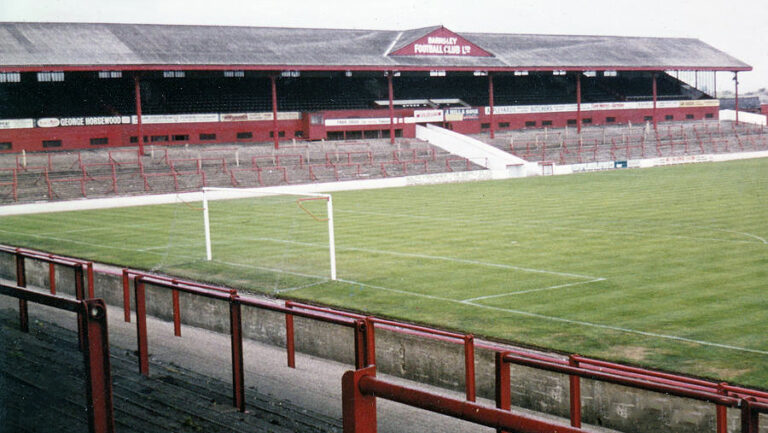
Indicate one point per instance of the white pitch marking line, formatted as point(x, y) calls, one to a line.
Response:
point(745, 234)
point(521, 292)
point(278, 271)
point(72, 241)
point(560, 319)
point(586, 230)
point(291, 289)
point(421, 256)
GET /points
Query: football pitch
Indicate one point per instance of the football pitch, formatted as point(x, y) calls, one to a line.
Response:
point(664, 267)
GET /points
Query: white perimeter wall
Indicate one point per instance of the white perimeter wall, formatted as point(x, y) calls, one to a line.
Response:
point(757, 119)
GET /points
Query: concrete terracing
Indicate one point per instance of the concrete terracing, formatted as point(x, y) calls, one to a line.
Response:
point(110, 172)
point(42, 382)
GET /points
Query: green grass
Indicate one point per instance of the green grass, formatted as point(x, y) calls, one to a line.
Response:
point(664, 267)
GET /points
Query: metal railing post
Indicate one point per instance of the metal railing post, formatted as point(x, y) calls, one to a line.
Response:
point(91, 287)
point(358, 409)
point(290, 346)
point(141, 325)
point(176, 313)
point(370, 341)
point(721, 412)
point(360, 344)
point(749, 417)
point(52, 277)
point(126, 296)
point(575, 394)
point(503, 384)
point(469, 366)
point(236, 333)
point(80, 295)
point(97, 367)
point(21, 281)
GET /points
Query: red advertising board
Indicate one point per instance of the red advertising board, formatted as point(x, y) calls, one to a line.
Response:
point(442, 42)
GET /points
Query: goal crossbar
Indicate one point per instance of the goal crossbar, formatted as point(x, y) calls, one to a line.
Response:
point(215, 193)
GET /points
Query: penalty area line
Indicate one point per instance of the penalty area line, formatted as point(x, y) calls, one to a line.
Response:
point(562, 320)
point(542, 289)
point(293, 289)
point(412, 255)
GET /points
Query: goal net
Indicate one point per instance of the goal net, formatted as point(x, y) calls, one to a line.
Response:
point(288, 235)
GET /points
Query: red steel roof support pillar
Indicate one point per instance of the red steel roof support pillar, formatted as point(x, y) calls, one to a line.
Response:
point(275, 132)
point(578, 102)
point(655, 124)
point(137, 91)
point(490, 101)
point(736, 93)
point(391, 108)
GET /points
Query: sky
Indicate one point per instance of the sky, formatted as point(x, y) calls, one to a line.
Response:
point(734, 26)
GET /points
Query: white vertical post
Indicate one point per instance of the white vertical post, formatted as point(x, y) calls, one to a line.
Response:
point(331, 237)
point(207, 228)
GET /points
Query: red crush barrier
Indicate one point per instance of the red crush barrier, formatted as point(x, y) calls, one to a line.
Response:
point(363, 330)
point(14, 183)
point(80, 268)
point(361, 388)
point(92, 318)
point(575, 372)
point(467, 340)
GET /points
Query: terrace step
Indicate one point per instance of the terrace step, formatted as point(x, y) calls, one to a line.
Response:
point(42, 380)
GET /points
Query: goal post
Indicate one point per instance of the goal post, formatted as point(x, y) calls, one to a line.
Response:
point(215, 193)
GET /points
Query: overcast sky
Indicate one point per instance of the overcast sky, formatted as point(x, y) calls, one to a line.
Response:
point(737, 27)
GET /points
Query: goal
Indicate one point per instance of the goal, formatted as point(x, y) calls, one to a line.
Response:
point(281, 216)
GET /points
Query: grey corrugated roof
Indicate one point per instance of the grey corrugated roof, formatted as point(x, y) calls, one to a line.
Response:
point(406, 37)
point(745, 103)
point(136, 45)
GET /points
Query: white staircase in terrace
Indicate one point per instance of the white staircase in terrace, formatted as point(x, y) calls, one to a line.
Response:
point(502, 164)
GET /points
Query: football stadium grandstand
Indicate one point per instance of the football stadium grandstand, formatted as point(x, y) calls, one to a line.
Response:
point(328, 101)
point(102, 110)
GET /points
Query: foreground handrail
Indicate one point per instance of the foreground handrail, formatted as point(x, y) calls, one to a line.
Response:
point(360, 388)
point(92, 316)
point(503, 398)
point(466, 340)
point(362, 329)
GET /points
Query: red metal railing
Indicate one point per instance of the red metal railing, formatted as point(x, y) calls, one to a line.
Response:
point(14, 183)
point(360, 389)
point(752, 402)
point(361, 156)
point(92, 318)
point(112, 177)
point(648, 382)
point(363, 329)
point(80, 268)
point(467, 340)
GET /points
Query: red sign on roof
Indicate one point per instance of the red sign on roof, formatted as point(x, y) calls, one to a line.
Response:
point(442, 42)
